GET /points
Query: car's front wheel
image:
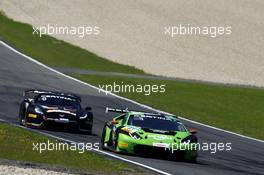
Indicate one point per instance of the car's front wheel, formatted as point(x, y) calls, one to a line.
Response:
point(103, 143)
point(22, 114)
point(116, 141)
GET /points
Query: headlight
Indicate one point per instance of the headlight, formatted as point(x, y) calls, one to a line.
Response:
point(83, 117)
point(38, 110)
point(189, 139)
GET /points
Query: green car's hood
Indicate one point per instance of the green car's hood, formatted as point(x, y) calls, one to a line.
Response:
point(156, 136)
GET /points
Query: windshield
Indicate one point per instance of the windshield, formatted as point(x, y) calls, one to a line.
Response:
point(54, 100)
point(156, 122)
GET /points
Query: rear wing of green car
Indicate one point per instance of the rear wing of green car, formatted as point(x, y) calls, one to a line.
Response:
point(116, 110)
point(126, 111)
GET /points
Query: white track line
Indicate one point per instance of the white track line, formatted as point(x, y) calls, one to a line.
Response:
point(132, 101)
point(1, 120)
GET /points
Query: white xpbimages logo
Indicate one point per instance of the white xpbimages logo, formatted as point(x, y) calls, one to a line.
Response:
point(62, 146)
point(184, 30)
point(80, 31)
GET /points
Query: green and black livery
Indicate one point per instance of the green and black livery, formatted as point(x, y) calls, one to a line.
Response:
point(150, 134)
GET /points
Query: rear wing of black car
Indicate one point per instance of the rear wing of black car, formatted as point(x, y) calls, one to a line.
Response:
point(32, 93)
point(126, 111)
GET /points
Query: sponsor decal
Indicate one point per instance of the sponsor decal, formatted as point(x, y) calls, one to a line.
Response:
point(45, 97)
point(159, 117)
point(161, 145)
point(159, 137)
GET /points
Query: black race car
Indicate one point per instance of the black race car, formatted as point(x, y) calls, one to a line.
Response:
point(40, 108)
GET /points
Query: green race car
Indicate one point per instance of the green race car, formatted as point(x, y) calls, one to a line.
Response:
point(149, 134)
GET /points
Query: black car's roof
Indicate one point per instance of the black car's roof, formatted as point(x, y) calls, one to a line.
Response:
point(36, 93)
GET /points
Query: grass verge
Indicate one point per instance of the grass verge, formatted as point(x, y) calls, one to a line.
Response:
point(231, 108)
point(17, 144)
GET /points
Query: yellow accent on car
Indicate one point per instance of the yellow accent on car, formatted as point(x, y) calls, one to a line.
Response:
point(123, 144)
point(32, 115)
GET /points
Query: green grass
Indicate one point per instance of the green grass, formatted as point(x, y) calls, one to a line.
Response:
point(232, 108)
point(53, 52)
point(17, 144)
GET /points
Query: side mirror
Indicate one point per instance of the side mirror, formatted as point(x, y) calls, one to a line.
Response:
point(114, 122)
point(88, 108)
point(192, 131)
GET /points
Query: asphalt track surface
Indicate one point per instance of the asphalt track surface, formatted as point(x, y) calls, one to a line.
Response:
point(18, 74)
